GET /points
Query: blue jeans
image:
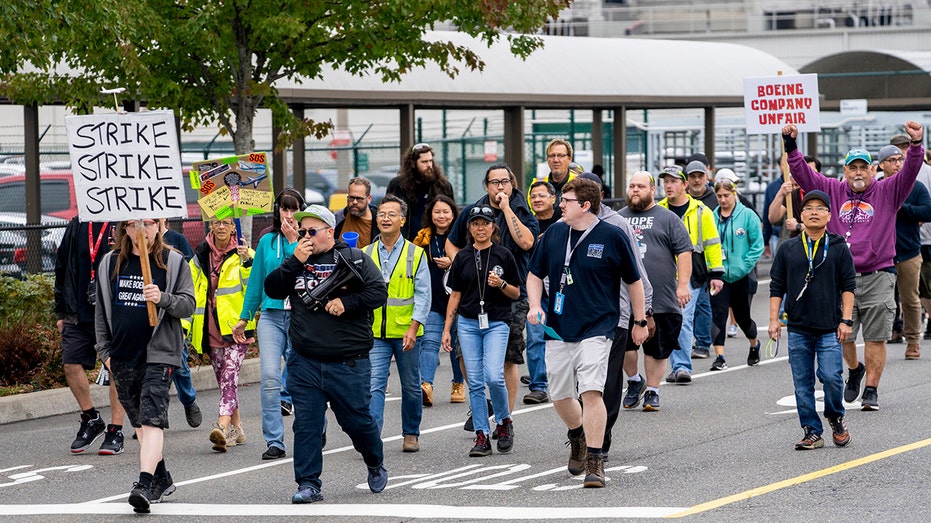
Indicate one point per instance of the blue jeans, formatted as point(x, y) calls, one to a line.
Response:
point(408, 363)
point(430, 348)
point(702, 330)
point(483, 352)
point(803, 350)
point(182, 379)
point(274, 344)
point(681, 358)
point(346, 386)
point(536, 353)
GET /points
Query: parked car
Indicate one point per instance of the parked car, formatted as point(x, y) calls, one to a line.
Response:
point(14, 252)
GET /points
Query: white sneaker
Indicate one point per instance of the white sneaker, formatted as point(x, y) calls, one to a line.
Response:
point(731, 330)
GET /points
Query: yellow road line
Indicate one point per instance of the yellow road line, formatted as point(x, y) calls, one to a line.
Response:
point(766, 489)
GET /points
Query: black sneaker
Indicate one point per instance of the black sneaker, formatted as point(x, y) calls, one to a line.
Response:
point(377, 478)
point(683, 376)
point(287, 409)
point(273, 452)
point(578, 453)
point(753, 358)
point(536, 397)
point(634, 393)
point(141, 498)
point(525, 379)
point(651, 401)
point(505, 431)
point(162, 487)
point(482, 446)
point(870, 399)
point(810, 441)
point(468, 426)
point(671, 378)
point(594, 471)
point(112, 442)
point(90, 430)
point(852, 388)
point(700, 353)
point(193, 415)
point(719, 363)
point(928, 333)
point(840, 434)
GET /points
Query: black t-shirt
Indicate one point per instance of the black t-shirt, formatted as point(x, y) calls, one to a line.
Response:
point(464, 277)
point(438, 296)
point(83, 261)
point(545, 223)
point(130, 327)
point(679, 209)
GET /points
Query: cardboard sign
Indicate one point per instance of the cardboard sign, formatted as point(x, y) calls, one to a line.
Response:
point(126, 166)
point(774, 101)
point(241, 183)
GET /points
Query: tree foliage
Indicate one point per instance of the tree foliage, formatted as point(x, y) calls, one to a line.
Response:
point(218, 60)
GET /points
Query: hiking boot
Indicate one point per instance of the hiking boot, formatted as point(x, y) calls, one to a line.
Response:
point(753, 358)
point(870, 399)
point(577, 454)
point(287, 409)
point(273, 452)
point(235, 436)
point(810, 441)
point(112, 442)
point(457, 394)
point(193, 415)
point(377, 478)
point(719, 363)
point(482, 446)
point(505, 436)
point(732, 330)
point(89, 431)
point(426, 390)
point(852, 388)
point(912, 352)
point(671, 377)
point(306, 494)
point(536, 397)
point(896, 337)
point(700, 353)
point(634, 393)
point(651, 401)
point(219, 436)
point(840, 434)
point(594, 471)
point(141, 498)
point(683, 376)
point(162, 487)
point(410, 444)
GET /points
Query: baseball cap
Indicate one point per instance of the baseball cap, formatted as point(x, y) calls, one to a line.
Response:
point(674, 170)
point(726, 174)
point(319, 212)
point(858, 154)
point(575, 168)
point(695, 166)
point(900, 139)
point(817, 195)
point(887, 151)
point(700, 157)
point(485, 213)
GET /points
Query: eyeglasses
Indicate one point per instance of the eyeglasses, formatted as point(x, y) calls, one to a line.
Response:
point(356, 198)
point(499, 183)
point(553, 156)
point(821, 209)
point(311, 232)
point(576, 200)
point(420, 147)
point(392, 215)
point(541, 195)
point(897, 159)
point(148, 224)
point(222, 223)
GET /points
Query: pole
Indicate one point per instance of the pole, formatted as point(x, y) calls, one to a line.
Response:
point(142, 245)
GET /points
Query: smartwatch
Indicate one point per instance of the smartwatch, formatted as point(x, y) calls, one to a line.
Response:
point(847, 322)
point(641, 323)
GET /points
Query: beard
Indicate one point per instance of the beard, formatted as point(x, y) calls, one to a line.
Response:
point(358, 213)
point(428, 175)
point(638, 203)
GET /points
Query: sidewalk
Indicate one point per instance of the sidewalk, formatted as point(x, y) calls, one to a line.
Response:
point(42, 404)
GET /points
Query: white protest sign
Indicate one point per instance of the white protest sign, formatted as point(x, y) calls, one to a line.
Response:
point(126, 166)
point(771, 102)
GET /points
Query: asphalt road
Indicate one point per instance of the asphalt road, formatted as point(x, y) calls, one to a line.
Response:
point(720, 449)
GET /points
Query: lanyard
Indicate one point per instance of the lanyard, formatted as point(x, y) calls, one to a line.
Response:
point(566, 276)
point(94, 247)
point(482, 281)
point(856, 198)
point(810, 250)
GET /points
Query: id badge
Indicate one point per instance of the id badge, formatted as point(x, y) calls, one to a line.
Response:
point(557, 303)
point(287, 303)
point(483, 320)
point(723, 255)
point(92, 292)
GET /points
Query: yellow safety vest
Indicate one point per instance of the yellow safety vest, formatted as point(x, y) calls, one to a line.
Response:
point(393, 319)
point(230, 293)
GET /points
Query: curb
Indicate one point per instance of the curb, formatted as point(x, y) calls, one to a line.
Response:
point(45, 403)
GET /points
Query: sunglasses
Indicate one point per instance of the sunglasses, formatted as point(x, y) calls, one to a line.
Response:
point(420, 147)
point(310, 232)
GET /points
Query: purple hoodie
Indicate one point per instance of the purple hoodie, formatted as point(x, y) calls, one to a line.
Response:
point(872, 233)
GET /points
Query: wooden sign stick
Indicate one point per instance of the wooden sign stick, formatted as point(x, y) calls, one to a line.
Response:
point(142, 245)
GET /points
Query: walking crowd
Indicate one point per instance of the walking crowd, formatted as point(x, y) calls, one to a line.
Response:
point(553, 274)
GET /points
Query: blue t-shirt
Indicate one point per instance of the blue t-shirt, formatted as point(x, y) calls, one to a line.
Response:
point(598, 265)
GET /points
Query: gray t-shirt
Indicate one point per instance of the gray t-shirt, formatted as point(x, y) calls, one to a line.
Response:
point(661, 236)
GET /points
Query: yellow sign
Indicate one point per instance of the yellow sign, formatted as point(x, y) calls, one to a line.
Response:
point(237, 185)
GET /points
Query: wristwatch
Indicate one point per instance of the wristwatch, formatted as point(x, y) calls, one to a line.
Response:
point(503, 285)
point(846, 322)
point(640, 323)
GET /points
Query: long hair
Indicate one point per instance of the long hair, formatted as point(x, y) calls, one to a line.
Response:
point(288, 198)
point(428, 212)
point(409, 176)
point(123, 246)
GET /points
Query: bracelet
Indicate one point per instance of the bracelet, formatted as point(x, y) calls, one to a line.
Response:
point(916, 142)
point(503, 285)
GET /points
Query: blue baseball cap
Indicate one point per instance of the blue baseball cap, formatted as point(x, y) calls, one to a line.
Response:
point(858, 154)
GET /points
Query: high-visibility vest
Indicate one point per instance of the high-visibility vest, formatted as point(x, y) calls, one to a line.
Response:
point(393, 319)
point(230, 293)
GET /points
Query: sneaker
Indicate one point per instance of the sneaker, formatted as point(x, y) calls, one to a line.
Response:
point(112, 442)
point(193, 415)
point(928, 333)
point(505, 436)
point(634, 393)
point(683, 376)
point(141, 498)
point(594, 471)
point(219, 436)
point(236, 436)
point(536, 397)
point(840, 434)
point(651, 401)
point(753, 358)
point(482, 446)
point(525, 379)
point(162, 487)
point(287, 409)
point(700, 353)
point(671, 377)
point(273, 452)
point(90, 430)
point(912, 352)
point(719, 363)
point(468, 425)
point(306, 494)
point(457, 394)
point(577, 455)
point(377, 478)
point(852, 388)
point(896, 337)
point(426, 390)
point(810, 441)
point(732, 330)
point(870, 399)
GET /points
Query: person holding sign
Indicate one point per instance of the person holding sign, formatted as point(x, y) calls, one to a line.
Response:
point(863, 213)
point(141, 356)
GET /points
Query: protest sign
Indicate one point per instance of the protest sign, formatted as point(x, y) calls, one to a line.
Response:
point(233, 186)
point(772, 102)
point(126, 166)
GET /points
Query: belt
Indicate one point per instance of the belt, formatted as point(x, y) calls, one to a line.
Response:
point(351, 360)
point(890, 270)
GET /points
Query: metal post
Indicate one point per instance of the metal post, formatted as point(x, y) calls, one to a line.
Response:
point(406, 131)
point(619, 182)
point(33, 188)
point(709, 135)
point(514, 143)
point(298, 157)
point(597, 139)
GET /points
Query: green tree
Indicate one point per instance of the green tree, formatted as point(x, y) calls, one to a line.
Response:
point(218, 60)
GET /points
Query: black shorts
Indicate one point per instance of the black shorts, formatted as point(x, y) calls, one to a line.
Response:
point(516, 341)
point(143, 392)
point(77, 344)
point(664, 340)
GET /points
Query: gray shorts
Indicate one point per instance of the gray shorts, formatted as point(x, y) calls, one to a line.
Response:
point(576, 367)
point(874, 306)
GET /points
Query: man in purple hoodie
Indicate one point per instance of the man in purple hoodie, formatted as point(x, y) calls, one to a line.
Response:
point(864, 214)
